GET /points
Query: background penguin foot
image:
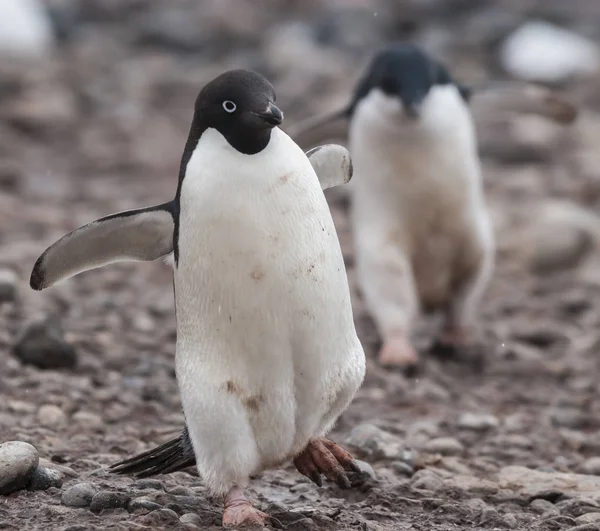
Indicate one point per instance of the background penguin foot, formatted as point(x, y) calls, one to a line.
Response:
point(323, 456)
point(398, 353)
point(466, 353)
point(239, 512)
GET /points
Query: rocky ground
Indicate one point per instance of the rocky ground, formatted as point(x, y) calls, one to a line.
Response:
point(87, 378)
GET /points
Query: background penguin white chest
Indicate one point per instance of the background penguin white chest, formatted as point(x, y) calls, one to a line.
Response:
point(264, 318)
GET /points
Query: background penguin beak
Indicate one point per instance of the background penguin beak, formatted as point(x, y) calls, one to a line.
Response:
point(413, 109)
point(272, 115)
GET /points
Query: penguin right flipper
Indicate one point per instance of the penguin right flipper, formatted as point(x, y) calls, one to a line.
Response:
point(171, 456)
point(144, 234)
point(332, 164)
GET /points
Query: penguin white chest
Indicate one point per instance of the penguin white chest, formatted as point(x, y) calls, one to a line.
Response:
point(265, 328)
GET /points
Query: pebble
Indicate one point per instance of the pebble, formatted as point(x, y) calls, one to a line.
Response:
point(153, 484)
point(142, 503)
point(108, 499)
point(543, 52)
point(88, 420)
point(51, 416)
point(18, 462)
point(588, 518)
point(444, 446)
point(79, 495)
point(160, 517)
point(8, 285)
point(542, 506)
point(41, 343)
point(375, 443)
point(191, 518)
point(477, 421)
point(180, 490)
point(365, 469)
point(426, 480)
point(44, 478)
point(591, 466)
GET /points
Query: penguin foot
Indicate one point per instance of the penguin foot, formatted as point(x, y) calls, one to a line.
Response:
point(323, 456)
point(456, 345)
point(239, 511)
point(397, 352)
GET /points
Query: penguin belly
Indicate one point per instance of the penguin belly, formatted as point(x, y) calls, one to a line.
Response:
point(267, 355)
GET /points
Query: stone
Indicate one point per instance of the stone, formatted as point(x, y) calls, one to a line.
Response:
point(545, 507)
point(88, 420)
point(543, 52)
point(180, 490)
point(591, 466)
point(477, 421)
point(79, 495)
point(143, 503)
point(8, 285)
point(588, 518)
point(160, 517)
point(41, 343)
point(18, 462)
point(44, 478)
point(375, 443)
point(191, 518)
point(365, 469)
point(51, 416)
point(426, 480)
point(148, 483)
point(444, 446)
point(107, 499)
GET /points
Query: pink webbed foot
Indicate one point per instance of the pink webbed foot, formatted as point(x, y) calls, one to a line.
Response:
point(239, 512)
point(397, 352)
point(323, 456)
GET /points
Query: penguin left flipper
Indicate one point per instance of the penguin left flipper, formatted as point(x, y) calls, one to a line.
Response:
point(332, 164)
point(143, 234)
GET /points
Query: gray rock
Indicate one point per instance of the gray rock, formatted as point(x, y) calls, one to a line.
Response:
point(588, 518)
point(366, 469)
point(426, 480)
point(87, 420)
point(477, 421)
point(180, 490)
point(18, 461)
point(8, 285)
point(107, 499)
point(41, 343)
point(51, 416)
point(444, 446)
point(44, 478)
point(143, 503)
point(402, 468)
point(153, 484)
point(375, 443)
point(79, 495)
point(544, 507)
point(591, 466)
point(191, 518)
point(160, 517)
point(585, 527)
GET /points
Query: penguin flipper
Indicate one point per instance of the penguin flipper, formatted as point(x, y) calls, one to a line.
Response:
point(171, 456)
point(332, 164)
point(138, 235)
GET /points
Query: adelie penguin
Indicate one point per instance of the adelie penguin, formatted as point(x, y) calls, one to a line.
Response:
point(422, 232)
point(267, 356)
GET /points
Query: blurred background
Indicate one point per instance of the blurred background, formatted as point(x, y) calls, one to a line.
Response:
point(96, 100)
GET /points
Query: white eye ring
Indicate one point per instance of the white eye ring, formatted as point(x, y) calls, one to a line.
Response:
point(229, 106)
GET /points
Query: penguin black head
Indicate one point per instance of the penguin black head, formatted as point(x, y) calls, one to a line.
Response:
point(240, 105)
point(402, 70)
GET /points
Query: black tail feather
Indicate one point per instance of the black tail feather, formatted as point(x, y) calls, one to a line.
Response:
point(171, 456)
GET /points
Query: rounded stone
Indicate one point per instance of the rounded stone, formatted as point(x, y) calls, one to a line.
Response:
point(18, 462)
point(79, 495)
point(8, 285)
point(591, 466)
point(51, 416)
point(143, 503)
point(444, 446)
point(477, 421)
point(107, 499)
point(44, 478)
point(190, 518)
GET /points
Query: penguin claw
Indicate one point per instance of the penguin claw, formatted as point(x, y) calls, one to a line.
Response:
point(323, 456)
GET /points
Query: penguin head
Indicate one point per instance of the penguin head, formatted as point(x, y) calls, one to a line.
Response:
point(405, 74)
point(240, 104)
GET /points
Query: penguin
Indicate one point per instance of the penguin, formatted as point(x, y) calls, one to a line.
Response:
point(421, 228)
point(267, 356)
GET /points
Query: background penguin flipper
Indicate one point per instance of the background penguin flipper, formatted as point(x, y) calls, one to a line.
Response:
point(332, 164)
point(139, 235)
point(320, 129)
point(171, 456)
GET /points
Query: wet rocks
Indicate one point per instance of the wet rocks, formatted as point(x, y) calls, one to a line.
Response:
point(107, 499)
point(79, 495)
point(18, 462)
point(42, 344)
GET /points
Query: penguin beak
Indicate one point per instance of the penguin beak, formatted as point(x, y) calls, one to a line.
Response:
point(413, 109)
point(272, 115)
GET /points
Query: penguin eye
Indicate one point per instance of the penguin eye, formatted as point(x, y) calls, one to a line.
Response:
point(229, 106)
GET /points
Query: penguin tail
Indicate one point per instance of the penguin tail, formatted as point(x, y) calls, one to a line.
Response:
point(171, 456)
